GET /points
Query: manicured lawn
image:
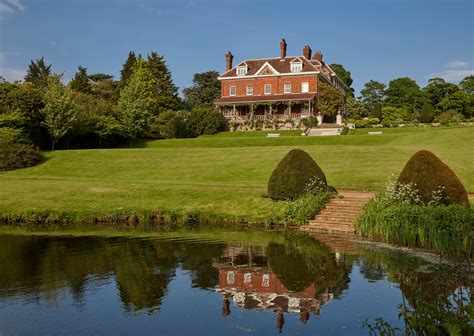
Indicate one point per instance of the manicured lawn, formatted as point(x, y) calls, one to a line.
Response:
point(225, 174)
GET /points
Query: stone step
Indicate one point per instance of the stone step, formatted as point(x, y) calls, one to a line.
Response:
point(333, 219)
point(331, 225)
point(342, 209)
point(328, 229)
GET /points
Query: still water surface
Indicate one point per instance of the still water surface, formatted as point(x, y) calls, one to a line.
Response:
point(216, 283)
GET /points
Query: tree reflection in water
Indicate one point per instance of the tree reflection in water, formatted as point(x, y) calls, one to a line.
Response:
point(298, 275)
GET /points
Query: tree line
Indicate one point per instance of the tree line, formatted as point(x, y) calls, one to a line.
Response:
point(404, 101)
point(95, 110)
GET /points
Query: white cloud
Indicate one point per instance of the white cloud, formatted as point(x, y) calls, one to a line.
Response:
point(52, 44)
point(12, 75)
point(18, 5)
point(452, 75)
point(5, 9)
point(457, 65)
point(11, 6)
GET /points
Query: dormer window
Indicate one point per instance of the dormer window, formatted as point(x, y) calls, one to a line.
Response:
point(296, 66)
point(241, 70)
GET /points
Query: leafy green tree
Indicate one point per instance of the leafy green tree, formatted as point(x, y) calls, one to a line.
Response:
point(137, 102)
point(355, 107)
point(38, 73)
point(167, 92)
point(373, 93)
point(405, 92)
point(330, 101)
point(127, 70)
point(394, 115)
point(459, 102)
point(467, 85)
point(105, 126)
point(59, 112)
point(344, 75)
point(80, 82)
point(426, 115)
point(205, 90)
point(437, 89)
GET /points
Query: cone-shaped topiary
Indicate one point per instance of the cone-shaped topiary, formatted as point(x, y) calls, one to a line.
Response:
point(429, 174)
point(292, 174)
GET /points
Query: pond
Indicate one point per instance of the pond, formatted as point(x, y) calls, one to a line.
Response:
point(206, 283)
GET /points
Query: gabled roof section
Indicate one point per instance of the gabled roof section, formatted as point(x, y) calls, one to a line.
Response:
point(267, 69)
point(279, 66)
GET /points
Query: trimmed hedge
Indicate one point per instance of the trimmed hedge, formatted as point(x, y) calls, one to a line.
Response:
point(427, 173)
point(292, 175)
point(16, 155)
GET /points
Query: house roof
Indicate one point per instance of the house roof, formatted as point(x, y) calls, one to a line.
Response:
point(266, 98)
point(281, 66)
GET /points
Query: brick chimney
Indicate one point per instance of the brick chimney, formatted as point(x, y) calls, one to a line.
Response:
point(307, 51)
point(228, 61)
point(282, 49)
point(318, 56)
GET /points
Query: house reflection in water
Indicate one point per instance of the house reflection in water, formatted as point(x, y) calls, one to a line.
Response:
point(246, 279)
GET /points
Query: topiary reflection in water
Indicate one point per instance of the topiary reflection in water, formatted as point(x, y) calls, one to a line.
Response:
point(299, 281)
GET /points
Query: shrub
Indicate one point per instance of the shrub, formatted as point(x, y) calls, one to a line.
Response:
point(361, 123)
point(306, 207)
point(426, 115)
point(310, 122)
point(292, 175)
point(449, 117)
point(374, 121)
point(15, 155)
point(433, 179)
point(345, 130)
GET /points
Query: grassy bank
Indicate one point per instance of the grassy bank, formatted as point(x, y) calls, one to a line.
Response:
point(223, 175)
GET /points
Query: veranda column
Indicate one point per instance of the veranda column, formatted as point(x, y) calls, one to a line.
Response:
point(233, 112)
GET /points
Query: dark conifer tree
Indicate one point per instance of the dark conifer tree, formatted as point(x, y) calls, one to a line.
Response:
point(127, 70)
point(80, 82)
point(38, 73)
point(167, 92)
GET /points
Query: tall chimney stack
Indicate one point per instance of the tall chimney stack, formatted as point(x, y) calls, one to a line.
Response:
point(282, 49)
point(318, 56)
point(307, 51)
point(228, 61)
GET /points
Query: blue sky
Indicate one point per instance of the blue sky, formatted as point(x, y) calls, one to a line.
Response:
point(376, 39)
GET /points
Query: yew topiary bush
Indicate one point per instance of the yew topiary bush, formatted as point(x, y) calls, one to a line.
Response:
point(293, 174)
point(433, 179)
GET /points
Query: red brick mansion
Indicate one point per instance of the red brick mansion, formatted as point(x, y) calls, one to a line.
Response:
point(283, 88)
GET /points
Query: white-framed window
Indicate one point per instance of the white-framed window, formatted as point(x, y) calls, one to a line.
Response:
point(305, 87)
point(241, 71)
point(296, 67)
point(287, 88)
point(249, 90)
point(267, 89)
point(232, 90)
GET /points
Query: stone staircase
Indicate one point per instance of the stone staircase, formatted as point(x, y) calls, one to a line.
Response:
point(340, 213)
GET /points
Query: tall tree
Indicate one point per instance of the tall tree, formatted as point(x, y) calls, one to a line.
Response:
point(437, 89)
point(467, 85)
point(137, 102)
point(80, 82)
point(373, 93)
point(59, 112)
point(165, 88)
point(343, 75)
point(330, 101)
point(205, 90)
point(459, 102)
point(38, 73)
point(127, 70)
point(355, 108)
point(405, 92)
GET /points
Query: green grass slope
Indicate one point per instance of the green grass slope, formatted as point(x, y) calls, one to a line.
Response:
point(225, 174)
